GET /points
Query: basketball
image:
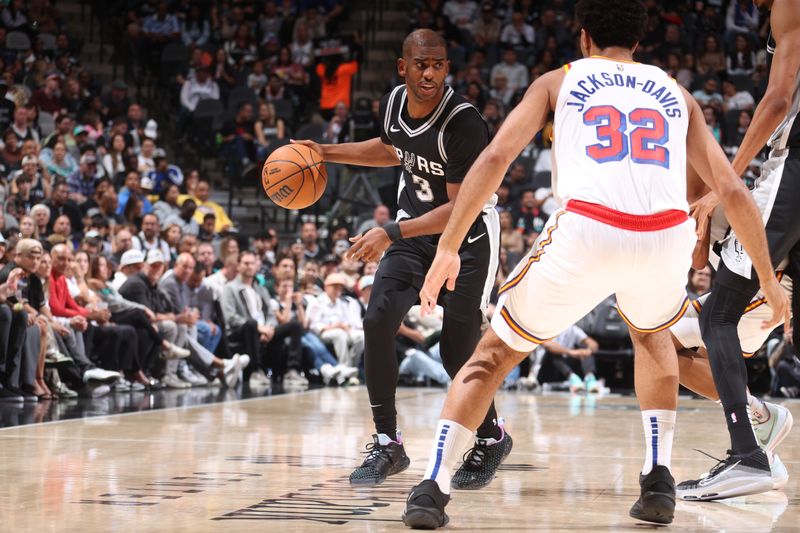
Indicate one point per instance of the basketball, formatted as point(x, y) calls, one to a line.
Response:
point(294, 176)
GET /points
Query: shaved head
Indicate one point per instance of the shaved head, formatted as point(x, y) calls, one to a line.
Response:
point(423, 38)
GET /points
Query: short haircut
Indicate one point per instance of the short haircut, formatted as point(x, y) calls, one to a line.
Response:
point(422, 37)
point(612, 22)
point(243, 253)
point(208, 216)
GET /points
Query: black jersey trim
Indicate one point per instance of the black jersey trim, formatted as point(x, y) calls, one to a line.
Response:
point(453, 113)
point(387, 120)
point(428, 123)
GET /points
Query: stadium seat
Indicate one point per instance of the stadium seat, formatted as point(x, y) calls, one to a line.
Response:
point(284, 109)
point(542, 179)
point(239, 95)
point(48, 41)
point(310, 131)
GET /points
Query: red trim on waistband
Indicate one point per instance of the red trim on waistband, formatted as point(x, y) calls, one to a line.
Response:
point(626, 221)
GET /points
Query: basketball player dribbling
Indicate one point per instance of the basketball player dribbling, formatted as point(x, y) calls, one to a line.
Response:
point(436, 135)
point(746, 469)
point(623, 135)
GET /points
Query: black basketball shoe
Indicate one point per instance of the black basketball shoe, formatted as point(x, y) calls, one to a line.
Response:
point(385, 457)
point(482, 461)
point(657, 500)
point(425, 507)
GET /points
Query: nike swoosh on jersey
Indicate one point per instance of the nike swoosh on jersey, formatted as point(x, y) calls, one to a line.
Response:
point(470, 240)
point(391, 128)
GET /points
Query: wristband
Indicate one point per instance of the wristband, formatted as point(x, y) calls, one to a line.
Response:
point(392, 229)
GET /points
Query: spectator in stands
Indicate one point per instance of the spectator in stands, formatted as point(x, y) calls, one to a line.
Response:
point(380, 217)
point(529, 216)
point(41, 217)
point(518, 34)
point(164, 173)
point(206, 257)
point(201, 297)
point(237, 139)
point(22, 125)
point(340, 126)
point(309, 235)
point(114, 159)
point(193, 90)
point(206, 232)
point(132, 188)
point(48, 98)
point(742, 17)
point(570, 348)
point(195, 28)
point(712, 121)
point(736, 136)
point(61, 204)
point(269, 21)
point(81, 183)
point(116, 102)
point(202, 195)
point(149, 238)
point(58, 161)
point(510, 237)
point(167, 204)
point(39, 178)
point(269, 130)
point(734, 99)
point(338, 320)
point(159, 29)
point(184, 219)
point(709, 94)
point(219, 279)
point(223, 73)
point(251, 325)
point(336, 76)
point(712, 61)
point(741, 61)
point(131, 262)
point(11, 153)
point(515, 72)
point(699, 282)
point(302, 46)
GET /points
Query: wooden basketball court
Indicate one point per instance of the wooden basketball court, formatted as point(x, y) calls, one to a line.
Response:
point(281, 464)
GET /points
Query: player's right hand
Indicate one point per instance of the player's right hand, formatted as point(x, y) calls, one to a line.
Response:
point(778, 301)
point(701, 211)
point(443, 270)
point(311, 144)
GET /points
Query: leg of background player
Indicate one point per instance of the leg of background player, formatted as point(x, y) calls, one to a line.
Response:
point(719, 320)
point(695, 375)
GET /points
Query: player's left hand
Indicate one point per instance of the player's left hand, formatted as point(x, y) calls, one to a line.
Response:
point(443, 270)
point(370, 246)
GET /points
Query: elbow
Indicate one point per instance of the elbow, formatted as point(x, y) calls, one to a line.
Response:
point(494, 157)
point(776, 103)
point(734, 193)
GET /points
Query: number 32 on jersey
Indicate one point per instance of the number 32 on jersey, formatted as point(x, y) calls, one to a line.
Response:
point(645, 144)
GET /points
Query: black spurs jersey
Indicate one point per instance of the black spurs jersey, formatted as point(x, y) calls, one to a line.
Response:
point(787, 134)
point(434, 150)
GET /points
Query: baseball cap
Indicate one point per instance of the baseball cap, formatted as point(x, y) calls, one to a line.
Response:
point(30, 160)
point(119, 84)
point(146, 183)
point(330, 258)
point(79, 129)
point(88, 159)
point(28, 246)
point(336, 278)
point(131, 257)
point(155, 256)
point(366, 281)
point(151, 129)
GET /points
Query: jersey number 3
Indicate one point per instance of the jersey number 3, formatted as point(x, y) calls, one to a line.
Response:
point(644, 144)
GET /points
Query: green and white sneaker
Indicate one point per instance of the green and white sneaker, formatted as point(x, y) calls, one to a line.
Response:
point(591, 384)
point(576, 384)
point(775, 429)
point(780, 476)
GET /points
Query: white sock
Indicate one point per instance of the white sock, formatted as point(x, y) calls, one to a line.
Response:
point(758, 411)
point(451, 440)
point(659, 428)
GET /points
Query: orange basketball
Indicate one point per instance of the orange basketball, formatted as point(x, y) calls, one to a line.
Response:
point(294, 176)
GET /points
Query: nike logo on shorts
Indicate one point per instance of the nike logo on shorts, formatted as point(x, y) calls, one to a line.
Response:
point(391, 128)
point(470, 240)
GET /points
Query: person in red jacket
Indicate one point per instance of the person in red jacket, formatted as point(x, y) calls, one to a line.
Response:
point(109, 342)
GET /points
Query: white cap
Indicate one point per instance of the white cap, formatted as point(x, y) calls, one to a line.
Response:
point(155, 256)
point(366, 281)
point(131, 257)
point(146, 183)
point(151, 129)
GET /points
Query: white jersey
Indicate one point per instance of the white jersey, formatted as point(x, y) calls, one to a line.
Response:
point(620, 137)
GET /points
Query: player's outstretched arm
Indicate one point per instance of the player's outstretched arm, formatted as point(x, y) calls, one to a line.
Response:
point(785, 25)
point(706, 156)
point(369, 153)
point(486, 174)
point(483, 179)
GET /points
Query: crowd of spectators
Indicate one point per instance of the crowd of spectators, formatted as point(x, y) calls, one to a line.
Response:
point(106, 239)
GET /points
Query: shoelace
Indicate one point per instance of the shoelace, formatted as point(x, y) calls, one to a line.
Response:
point(474, 457)
point(374, 452)
point(721, 463)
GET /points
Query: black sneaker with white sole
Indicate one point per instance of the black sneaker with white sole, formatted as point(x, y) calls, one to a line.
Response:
point(656, 502)
point(736, 475)
point(385, 457)
point(481, 462)
point(425, 507)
